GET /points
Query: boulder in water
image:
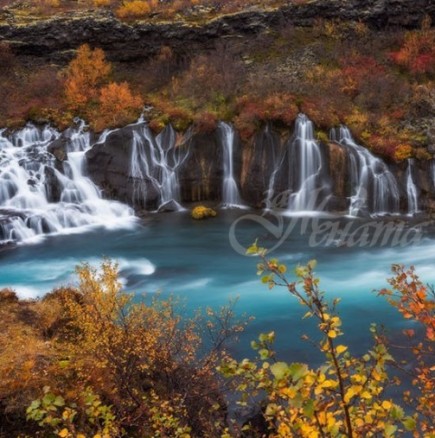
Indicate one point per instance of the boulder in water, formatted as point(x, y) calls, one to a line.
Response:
point(169, 207)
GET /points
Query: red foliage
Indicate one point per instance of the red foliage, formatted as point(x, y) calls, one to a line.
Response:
point(323, 111)
point(252, 111)
point(205, 122)
point(417, 53)
point(383, 145)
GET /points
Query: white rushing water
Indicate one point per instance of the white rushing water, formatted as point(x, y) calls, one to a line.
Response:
point(36, 198)
point(411, 189)
point(311, 191)
point(230, 190)
point(154, 166)
point(374, 189)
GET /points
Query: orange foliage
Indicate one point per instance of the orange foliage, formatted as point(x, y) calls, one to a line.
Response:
point(102, 3)
point(118, 105)
point(252, 111)
point(416, 302)
point(154, 371)
point(403, 152)
point(137, 8)
point(322, 111)
point(417, 53)
point(85, 74)
point(205, 122)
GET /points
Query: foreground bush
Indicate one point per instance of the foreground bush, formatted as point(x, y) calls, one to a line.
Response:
point(91, 361)
point(346, 396)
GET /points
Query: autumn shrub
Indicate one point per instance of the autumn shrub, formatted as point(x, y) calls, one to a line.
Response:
point(417, 53)
point(53, 413)
point(322, 112)
point(403, 152)
point(102, 3)
point(8, 296)
point(164, 111)
point(117, 105)
point(86, 73)
point(205, 122)
point(416, 302)
point(422, 154)
point(382, 145)
point(202, 212)
point(136, 8)
point(157, 125)
point(252, 111)
point(210, 78)
point(346, 395)
point(97, 362)
point(25, 365)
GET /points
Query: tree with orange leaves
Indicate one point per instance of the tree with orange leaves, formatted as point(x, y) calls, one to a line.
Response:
point(416, 302)
point(117, 104)
point(85, 75)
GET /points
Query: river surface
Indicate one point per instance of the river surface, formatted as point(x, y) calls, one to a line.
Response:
point(198, 261)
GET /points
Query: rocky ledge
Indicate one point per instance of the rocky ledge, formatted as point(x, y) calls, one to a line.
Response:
point(54, 39)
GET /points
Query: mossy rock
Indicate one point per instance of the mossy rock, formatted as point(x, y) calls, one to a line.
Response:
point(202, 212)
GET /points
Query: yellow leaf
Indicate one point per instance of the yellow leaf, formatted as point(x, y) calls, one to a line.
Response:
point(366, 395)
point(386, 404)
point(341, 349)
point(349, 394)
point(63, 433)
point(332, 334)
point(329, 384)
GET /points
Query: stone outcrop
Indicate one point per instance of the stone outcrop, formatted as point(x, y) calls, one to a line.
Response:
point(201, 175)
point(55, 38)
point(108, 164)
point(270, 155)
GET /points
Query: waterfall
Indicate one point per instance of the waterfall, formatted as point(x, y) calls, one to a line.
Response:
point(230, 191)
point(374, 189)
point(154, 166)
point(36, 198)
point(432, 173)
point(276, 161)
point(311, 187)
point(411, 189)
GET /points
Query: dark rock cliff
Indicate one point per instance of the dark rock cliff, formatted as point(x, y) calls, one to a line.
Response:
point(54, 38)
point(270, 157)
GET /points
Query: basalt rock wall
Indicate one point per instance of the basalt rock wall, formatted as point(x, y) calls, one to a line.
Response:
point(56, 38)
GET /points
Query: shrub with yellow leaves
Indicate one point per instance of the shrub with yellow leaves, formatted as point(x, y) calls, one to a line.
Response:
point(202, 212)
point(345, 396)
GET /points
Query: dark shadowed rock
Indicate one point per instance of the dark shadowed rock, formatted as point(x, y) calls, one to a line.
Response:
point(201, 175)
point(52, 185)
point(58, 37)
point(59, 148)
point(260, 161)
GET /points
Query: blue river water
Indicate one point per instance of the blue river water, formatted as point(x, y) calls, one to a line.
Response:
point(198, 261)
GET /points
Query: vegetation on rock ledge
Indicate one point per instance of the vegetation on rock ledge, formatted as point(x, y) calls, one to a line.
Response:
point(379, 83)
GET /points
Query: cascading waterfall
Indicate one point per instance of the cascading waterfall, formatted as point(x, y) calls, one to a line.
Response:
point(311, 189)
point(230, 191)
point(374, 188)
point(154, 165)
point(271, 160)
point(432, 173)
point(36, 198)
point(411, 189)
